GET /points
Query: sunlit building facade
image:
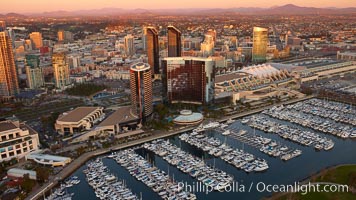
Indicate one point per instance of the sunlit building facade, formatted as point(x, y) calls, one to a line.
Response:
point(61, 71)
point(34, 74)
point(16, 140)
point(174, 42)
point(9, 85)
point(260, 42)
point(152, 49)
point(36, 39)
point(64, 36)
point(129, 45)
point(141, 90)
point(207, 47)
point(188, 80)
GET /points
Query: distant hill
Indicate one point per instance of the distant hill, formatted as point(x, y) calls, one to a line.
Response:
point(15, 15)
point(291, 9)
point(288, 9)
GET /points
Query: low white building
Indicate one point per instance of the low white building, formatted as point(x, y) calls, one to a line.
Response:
point(51, 160)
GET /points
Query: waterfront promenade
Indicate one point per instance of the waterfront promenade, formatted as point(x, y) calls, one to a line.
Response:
point(77, 163)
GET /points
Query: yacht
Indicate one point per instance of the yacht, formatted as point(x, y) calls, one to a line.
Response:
point(227, 132)
point(230, 121)
point(245, 120)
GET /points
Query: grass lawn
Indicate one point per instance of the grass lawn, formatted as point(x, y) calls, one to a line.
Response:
point(341, 175)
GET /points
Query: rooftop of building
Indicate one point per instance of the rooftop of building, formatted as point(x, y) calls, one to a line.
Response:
point(188, 58)
point(187, 116)
point(260, 70)
point(121, 115)
point(230, 76)
point(140, 66)
point(347, 53)
point(77, 114)
point(47, 157)
point(7, 125)
point(312, 62)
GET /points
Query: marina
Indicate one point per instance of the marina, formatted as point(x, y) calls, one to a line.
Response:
point(194, 166)
point(264, 144)
point(236, 157)
point(156, 168)
point(294, 134)
point(105, 184)
point(311, 121)
point(334, 111)
point(151, 176)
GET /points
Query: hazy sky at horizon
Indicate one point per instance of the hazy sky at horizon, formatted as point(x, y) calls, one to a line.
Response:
point(50, 5)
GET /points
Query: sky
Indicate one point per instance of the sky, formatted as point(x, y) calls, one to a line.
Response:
point(25, 6)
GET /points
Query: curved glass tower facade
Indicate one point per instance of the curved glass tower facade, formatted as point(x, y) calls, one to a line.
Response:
point(141, 89)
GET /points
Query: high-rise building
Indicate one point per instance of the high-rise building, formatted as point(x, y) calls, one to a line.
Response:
point(28, 45)
point(129, 45)
point(9, 85)
point(61, 71)
point(73, 61)
point(207, 47)
point(2, 26)
point(141, 89)
point(212, 33)
point(60, 35)
point(174, 42)
point(34, 73)
point(144, 34)
point(152, 49)
point(65, 36)
point(259, 48)
point(36, 38)
point(188, 80)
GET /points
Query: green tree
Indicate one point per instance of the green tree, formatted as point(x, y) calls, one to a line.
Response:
point(27, 184)
point(42, 174)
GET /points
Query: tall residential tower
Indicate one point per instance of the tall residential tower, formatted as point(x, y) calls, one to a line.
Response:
point(36, 39)
point(9, 85)
point(174, 42)
point(152, 49)
point(129, 45)
point(260, 40)
point(61, 71)
point(141, 90)
point(34, 73)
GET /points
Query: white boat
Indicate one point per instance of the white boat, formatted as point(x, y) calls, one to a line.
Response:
point(227, 132)
point(242, 132)
point(245, 120)
point(261, 167)
point(230, 121)
point(330, 146)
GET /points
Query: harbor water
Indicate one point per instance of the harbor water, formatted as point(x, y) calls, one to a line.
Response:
point(279, 172)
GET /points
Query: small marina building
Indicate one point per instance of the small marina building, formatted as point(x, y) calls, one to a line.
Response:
point(187, 117)
point(45, 159)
